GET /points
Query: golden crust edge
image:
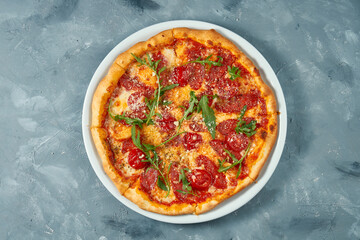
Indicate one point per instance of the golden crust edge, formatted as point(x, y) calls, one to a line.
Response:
point(103, 92)
point(98, 135)
point(209, 205)
point(125, 59)
point(144, 202)
point(270, 141)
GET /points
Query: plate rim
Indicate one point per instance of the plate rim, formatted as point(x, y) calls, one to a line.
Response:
point(268, 75)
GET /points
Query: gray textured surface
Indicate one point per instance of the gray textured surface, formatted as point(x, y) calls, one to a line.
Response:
point(49, 51)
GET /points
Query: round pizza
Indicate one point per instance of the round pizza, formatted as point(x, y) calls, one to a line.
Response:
point(183, 121)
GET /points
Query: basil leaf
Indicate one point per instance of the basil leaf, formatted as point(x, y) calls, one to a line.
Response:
point(208, 115)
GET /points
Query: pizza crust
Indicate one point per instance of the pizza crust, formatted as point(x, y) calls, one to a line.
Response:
point(213, 202)
point(143, 201)
point(103, 93)
point(99, 137)
point(140, 48)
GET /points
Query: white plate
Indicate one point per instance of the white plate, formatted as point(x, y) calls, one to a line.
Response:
point(267, 74)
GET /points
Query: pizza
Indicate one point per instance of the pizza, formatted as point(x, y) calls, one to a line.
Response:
point(183, 121)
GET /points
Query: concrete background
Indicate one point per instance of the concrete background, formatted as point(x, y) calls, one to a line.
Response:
point(49, 51)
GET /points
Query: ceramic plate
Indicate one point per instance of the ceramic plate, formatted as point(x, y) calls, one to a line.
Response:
point(267, 75)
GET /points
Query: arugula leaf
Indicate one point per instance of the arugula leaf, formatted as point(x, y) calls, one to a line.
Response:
point(136, 139)
point(166, 88)
point(207, 61)
point(187, 192)
point(161, 184)
point(183, 179)
point(192, 102)
point(166, 102)
point(163, 143)
point(241, 126)
point(208, 115)
point(234, 72)
point(186, 185)
point(236, 161)
point(128, 120)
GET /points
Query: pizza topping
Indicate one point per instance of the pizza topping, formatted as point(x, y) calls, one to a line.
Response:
point(134, 84)
point(186, 188)
point(209, 166)
point(152, 157)
point(195, 73)
point(137, 159)
point(234, 72)
point(148, 179)
point(219, 146)
point(192, 103)
point(222, 168)
point(208, 61)
point(227, 88)
point(243, 127)
point(177, 184)
point(127, 145)
point(134, 120)
point(244, 172)
point(200, 179)
point(159, 92)
point(166, 122)
point(226, 127)
point(236, 142)
point(208, 115)
point(191, 140)
point(179, 76)
point(196, 127)
point(136, 101)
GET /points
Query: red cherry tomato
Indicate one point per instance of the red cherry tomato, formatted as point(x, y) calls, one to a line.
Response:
point(200, 179)
point(136, 157)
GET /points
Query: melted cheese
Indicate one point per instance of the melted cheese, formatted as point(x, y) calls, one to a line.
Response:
point(119, 104)
point(170, 56)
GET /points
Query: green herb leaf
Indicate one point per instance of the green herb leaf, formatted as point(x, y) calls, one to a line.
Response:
point(130, 121)
point(235, 161)
point(166, 102)
point(208, 115)
point(183, 179)
point(163, 143)
point(234, 72)
point(187, 192)
point(192, 102)
point(136, 138)
point(207, 61)
point(166, 88)
point(242, 127)
point(161, 184)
